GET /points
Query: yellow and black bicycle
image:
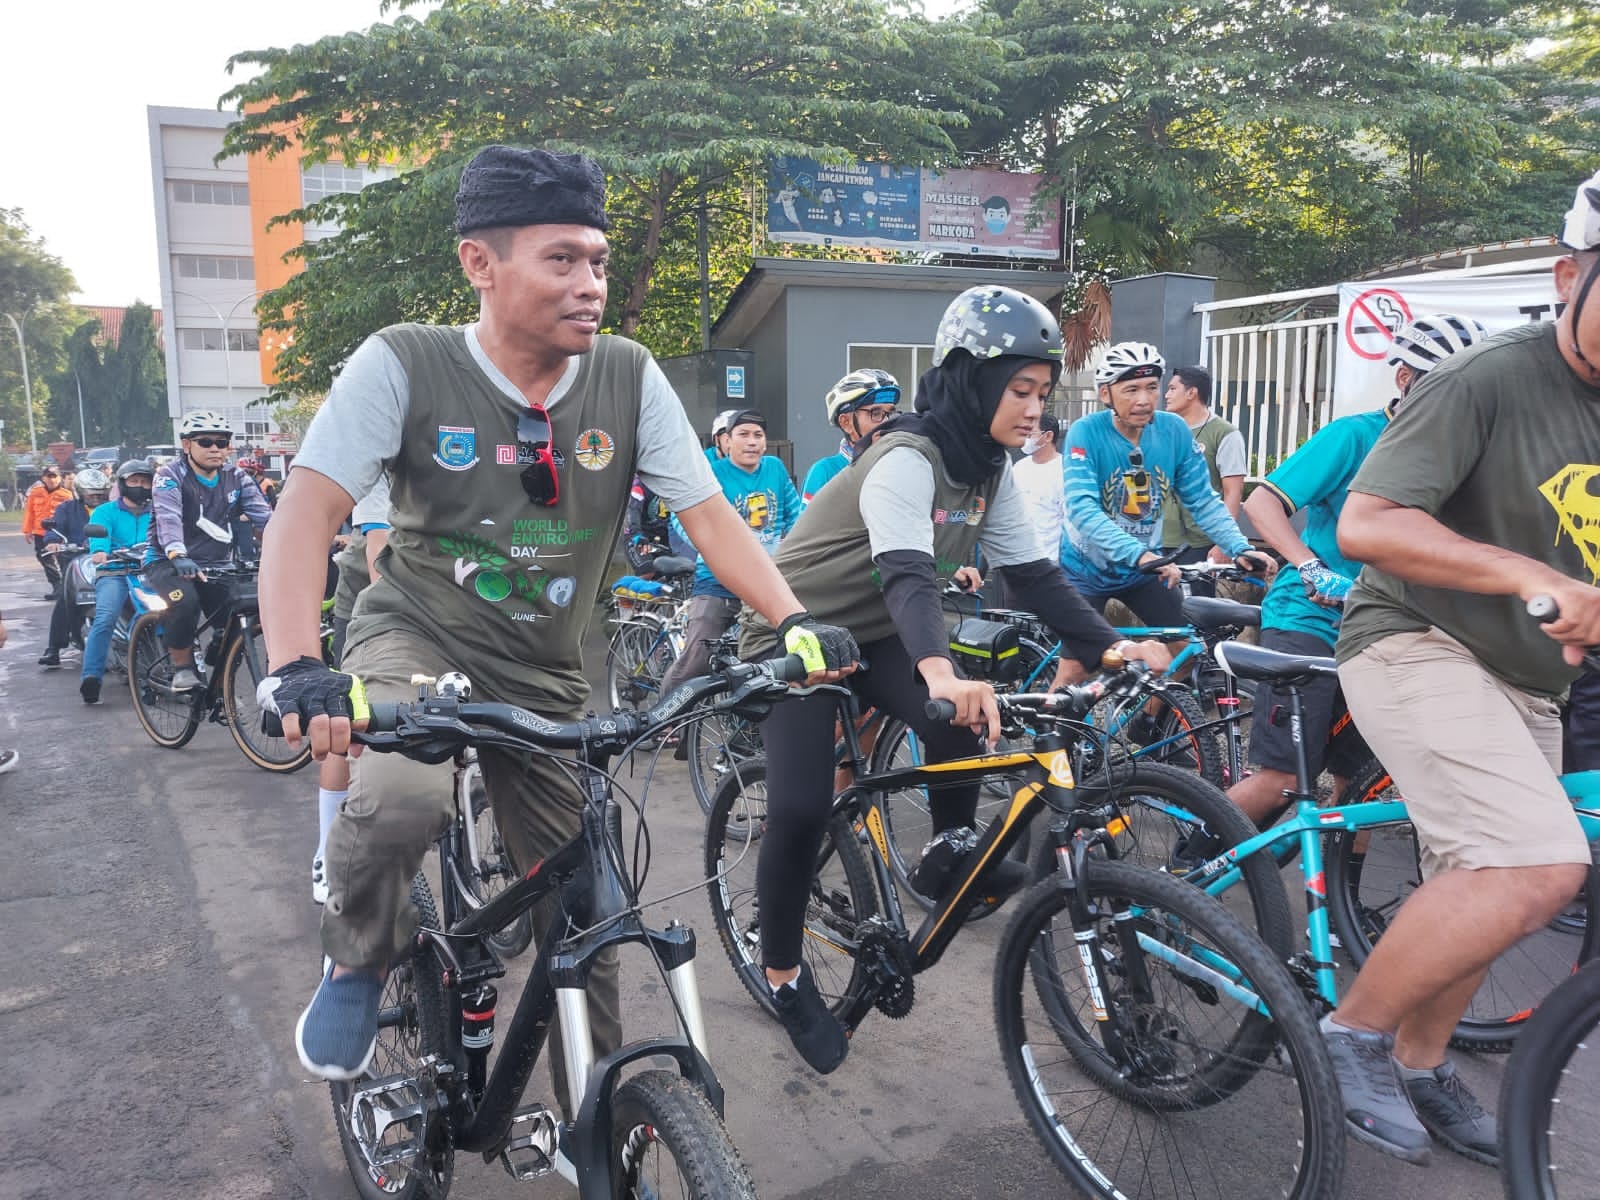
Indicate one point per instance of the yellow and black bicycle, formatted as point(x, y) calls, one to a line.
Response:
point(1128, 1050)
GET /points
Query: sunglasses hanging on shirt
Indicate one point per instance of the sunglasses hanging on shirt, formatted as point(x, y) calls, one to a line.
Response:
point(540, 479)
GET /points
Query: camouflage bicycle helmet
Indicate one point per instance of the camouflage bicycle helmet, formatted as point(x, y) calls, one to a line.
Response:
point(989, 321)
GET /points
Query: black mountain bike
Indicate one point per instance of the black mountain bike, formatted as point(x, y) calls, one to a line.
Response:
point(235, 659)
point(1121, 1039)
point(430, 1092)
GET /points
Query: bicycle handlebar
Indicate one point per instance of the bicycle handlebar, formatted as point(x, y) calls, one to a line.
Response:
point(1544, 609)
point(1071, 701)
point(1166, 560)
point(427, 724)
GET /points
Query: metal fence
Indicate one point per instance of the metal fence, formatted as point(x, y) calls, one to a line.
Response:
point(1273, 376)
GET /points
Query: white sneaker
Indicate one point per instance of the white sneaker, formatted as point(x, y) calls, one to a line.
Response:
point(8, 760)
point(319, 881)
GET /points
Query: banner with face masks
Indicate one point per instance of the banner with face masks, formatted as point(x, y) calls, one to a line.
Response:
point(1370, 314)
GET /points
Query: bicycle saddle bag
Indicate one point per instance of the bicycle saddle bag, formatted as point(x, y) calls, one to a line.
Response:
point(986, 649)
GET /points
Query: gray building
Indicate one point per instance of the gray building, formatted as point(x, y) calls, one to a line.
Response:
point(806, 322)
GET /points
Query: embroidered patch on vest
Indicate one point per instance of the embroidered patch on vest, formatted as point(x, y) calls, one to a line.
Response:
point(595, 449)
point(457, 448)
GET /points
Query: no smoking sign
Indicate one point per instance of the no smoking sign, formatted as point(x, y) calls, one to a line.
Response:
point(1375, 316)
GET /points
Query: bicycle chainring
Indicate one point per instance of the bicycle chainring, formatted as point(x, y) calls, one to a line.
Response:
point(893, 970)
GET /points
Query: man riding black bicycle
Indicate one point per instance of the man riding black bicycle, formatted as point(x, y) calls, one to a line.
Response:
point(197, 503)
point(511, 444)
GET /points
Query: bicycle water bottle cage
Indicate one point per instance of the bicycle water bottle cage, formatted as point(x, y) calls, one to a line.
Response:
point(986, 649)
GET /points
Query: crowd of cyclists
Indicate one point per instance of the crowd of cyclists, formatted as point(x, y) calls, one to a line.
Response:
point(485, 474)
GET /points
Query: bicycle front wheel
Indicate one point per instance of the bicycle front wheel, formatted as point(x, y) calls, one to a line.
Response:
point(840, 900)
point(1371, 872)
point(243, 667)
point(717, 746)
point(169, 717)
point(666, 1140)
point(1163, 1079)
point(492, 873)
point(1550, 1097)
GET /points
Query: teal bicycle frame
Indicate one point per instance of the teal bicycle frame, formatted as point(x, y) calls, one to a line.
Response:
point(1311, 824)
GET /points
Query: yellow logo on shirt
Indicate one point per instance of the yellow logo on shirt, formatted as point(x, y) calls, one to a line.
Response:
point(1572, 493)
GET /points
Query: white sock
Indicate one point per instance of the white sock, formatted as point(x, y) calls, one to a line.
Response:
point(1329, 1025)
point(327, 808)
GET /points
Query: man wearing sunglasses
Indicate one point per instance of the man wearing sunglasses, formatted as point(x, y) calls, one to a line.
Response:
point(511, 445)
point(1119, 462)
point(197, 500)
point(857, 404)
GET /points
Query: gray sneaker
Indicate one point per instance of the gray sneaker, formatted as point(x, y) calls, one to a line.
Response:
point(1377, 1110)
point(184, 679)
point(1453, 1115)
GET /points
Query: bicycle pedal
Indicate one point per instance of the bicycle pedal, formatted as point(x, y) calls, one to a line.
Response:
point(529, 1151)
point(389, 1115)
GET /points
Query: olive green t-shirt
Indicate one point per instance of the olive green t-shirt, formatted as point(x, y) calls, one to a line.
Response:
point(1501, 444)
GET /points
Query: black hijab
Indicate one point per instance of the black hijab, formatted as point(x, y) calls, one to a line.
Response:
point(954, 407)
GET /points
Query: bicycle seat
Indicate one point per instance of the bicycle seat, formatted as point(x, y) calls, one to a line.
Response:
point(668, 566)
point(1203, 612)
point(1254, 662)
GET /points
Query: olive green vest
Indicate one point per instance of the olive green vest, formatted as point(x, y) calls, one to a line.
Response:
point(503, 587)
point(827, 557)
point(353, 575)
point(1177, 526)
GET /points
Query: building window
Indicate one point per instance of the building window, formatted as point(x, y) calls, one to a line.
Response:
point(186, 192)
point(214, 266)
point(329, 179)
point(211, 339)
point(255, 431)
point(905, 363)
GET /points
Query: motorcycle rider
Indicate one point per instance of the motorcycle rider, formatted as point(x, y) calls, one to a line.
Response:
point(126, 521)
point(65, 528)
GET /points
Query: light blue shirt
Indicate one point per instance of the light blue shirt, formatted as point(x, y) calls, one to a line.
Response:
point(765, 498)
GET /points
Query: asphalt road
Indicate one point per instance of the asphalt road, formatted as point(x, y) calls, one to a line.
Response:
point(159, 942)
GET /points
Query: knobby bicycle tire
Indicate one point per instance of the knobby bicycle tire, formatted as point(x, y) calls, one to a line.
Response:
point(413, 1024)
point(1150, 796)
point(657, 1116)
point(1190, 1049)
point(1366, 889)
point(842, 895)
point(244, 714)
point(169, 719)
point(1547, 1147)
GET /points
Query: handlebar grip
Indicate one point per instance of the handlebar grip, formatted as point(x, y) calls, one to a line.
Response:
point(1543, 609)
point(1166, 560)
point(939, 710)
point(791, 668)
point(385, 717)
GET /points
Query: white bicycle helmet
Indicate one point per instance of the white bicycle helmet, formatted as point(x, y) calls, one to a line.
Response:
point(723, 420)
point(867, 386)
point(203, 420)
point(1425, 342)
point(990, 321)
point(1129, 360)
point(1581, 229)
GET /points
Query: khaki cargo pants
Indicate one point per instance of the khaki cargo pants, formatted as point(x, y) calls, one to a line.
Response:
point(397, 807)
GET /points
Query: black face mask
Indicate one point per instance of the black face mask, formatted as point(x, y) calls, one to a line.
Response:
point(135, 495)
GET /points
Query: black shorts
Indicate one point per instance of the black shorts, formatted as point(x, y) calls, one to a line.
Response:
point(1331, 739)
point(1151, 600)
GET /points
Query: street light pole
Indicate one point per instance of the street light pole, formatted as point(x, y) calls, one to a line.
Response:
point(83, 433)
point(27, 388)
point(227, 362)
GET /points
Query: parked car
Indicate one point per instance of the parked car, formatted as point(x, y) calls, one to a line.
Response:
point(161, 454)
point(102, 456)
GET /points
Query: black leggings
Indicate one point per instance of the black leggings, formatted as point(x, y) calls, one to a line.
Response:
point(185, 599)
point(1150, 599)
point(799, 742)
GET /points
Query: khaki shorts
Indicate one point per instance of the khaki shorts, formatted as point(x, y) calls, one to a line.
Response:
point(1475, 758)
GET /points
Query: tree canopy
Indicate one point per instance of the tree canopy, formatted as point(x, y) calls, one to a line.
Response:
point(677, 100)
point(34, 286)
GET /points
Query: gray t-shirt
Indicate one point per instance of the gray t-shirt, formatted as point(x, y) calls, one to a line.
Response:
point(351, 441)
point(897, 507)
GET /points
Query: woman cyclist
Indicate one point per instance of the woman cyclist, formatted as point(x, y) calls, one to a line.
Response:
point(871, 553)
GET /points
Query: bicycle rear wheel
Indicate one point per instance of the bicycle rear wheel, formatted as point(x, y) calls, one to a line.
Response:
point(492, 873)
point(841, 899)
point(666, 1140)
point(1370, 874)
point(170, 718)
point(639, 656)
point(242, 672)
point(411, 1025)
point(1550, 1097)
point(1198, 1093)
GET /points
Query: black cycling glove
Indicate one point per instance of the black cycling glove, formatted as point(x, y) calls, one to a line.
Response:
point(185, 566)
point(820, 647)
point(309, 688)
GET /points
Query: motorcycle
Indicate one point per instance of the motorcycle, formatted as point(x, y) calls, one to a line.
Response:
point(128, 562)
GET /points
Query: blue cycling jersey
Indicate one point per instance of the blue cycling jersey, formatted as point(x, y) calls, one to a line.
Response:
point(765, 498)
point(823, 470)
point(1114, 491)
point(1317, 478)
